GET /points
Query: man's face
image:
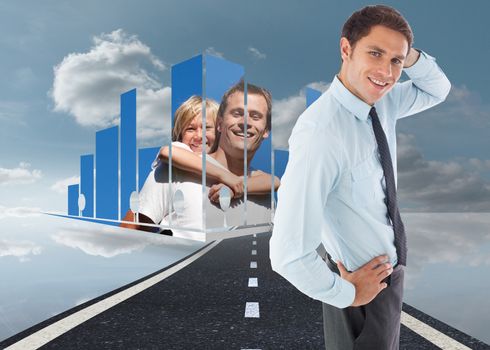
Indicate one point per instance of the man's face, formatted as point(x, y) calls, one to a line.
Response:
point(232, 124)
point(374, 65)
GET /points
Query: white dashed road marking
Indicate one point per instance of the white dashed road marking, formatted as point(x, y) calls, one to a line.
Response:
point(252, 310)
point(254, 242)
point(253, 282)
point(254, 252)
point(253, 264)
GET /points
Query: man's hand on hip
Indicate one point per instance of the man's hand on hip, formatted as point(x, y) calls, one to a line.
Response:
point(367, 279)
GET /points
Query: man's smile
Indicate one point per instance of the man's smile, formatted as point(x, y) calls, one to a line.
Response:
point(378, 83)
point(241, 134)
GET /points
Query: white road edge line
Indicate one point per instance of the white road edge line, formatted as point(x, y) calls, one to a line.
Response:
point(253, 282)
point(252, 310)
point(54, 330)
point(433, 335)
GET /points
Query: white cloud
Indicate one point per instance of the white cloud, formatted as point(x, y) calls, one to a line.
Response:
point(212, 51)
point(256, 53)
point(436, 238)
point(429, 185)
point(20, 175)
point(87, 85)
point(61, 185)
point(286, 111)
point(109, 242)
point(319, 85)
point(153, 116)
point(479, 164)
point(19, 212)
point(19, 249)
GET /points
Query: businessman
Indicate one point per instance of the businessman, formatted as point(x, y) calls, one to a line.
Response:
point(339, 187)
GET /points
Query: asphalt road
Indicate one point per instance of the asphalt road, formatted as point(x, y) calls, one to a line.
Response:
point(203, 306)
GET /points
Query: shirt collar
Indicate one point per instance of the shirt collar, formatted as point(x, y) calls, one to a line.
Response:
point(350, 101)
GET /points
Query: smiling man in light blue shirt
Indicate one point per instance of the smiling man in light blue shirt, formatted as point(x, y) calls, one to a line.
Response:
point(334, 189)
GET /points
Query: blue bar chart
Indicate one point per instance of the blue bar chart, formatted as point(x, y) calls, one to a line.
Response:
point(118, 169)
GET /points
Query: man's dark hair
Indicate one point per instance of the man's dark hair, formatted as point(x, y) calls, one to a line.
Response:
point(240, 87)
point(359, 24)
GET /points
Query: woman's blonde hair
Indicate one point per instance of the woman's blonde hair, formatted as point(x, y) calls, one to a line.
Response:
point(188, 110)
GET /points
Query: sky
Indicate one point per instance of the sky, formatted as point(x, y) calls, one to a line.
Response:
point(63, 66)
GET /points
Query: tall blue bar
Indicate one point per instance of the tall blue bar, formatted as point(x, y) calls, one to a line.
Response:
point(106, 176)
point(146, 156)
point(186, 81)
point(262, 157)
point(280, 161)
point(128, 148)
point(73, 200)
point(220, 76)
point(87, 183)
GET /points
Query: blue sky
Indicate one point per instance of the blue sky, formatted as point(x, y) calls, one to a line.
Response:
point(92, 49)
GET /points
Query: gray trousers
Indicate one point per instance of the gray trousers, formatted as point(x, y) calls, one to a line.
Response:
point(373, 326)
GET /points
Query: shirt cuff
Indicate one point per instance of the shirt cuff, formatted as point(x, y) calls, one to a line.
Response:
point(420, 68)
point(344, 293)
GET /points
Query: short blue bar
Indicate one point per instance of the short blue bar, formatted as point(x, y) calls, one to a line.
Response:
point(262, 157)
point(280, 161)
point(106, 176)
point(311, 96)
point(87, 183)
point(128, 148)
point(73, 200)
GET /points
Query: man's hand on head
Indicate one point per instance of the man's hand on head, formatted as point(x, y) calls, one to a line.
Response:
point(412, 58)
point(367, 279)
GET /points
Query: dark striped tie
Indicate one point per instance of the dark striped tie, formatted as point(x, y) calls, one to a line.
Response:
point(391, 203)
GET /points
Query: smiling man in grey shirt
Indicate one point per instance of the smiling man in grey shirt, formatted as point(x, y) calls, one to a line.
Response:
point(339, 187)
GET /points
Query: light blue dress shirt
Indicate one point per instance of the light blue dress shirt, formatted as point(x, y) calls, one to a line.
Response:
point(332, 191)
